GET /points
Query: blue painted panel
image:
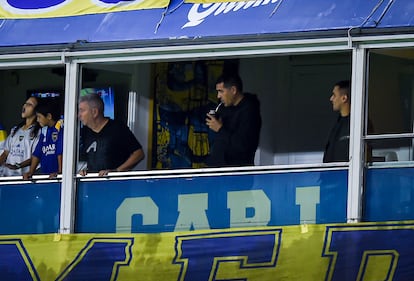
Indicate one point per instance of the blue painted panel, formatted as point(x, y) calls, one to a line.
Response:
point(29, 208)
point(400, 13)
point(389, 194)
point(98, 202)
point(214, 20)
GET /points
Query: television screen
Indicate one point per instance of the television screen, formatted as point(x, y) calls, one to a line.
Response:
point(107, 95)
point(43, 95)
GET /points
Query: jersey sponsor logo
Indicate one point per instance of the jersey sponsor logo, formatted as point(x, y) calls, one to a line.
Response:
point(17, 151)
point(49, 149)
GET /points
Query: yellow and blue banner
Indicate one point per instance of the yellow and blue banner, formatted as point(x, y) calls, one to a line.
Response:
point(184, 93)
point(377, 251)
point(27, 9)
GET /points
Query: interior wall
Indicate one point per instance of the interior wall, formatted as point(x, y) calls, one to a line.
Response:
point(141, 84)
point(118, 77)
point(294, 92)
point(266, 77)
point(15, 84)
point(126, 78)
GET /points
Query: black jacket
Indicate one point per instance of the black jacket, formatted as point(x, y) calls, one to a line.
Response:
point(236, 142)
point(337, 147)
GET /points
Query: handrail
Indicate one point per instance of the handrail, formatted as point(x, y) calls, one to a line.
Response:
point(176, 173)
point(205, 172)
point(34, 179)
point(389, 136)
point(391, 164)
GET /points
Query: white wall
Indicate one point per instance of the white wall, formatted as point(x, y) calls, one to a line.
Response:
point(267, 78)
point(141, 84)
point(294, 92)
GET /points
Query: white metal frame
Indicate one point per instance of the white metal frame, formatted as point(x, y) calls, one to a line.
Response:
point(356, 151)
point(68, 190)
point(357, 134)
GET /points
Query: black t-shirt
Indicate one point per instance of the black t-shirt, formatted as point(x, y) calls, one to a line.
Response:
point(109, 148)
point(337, 147)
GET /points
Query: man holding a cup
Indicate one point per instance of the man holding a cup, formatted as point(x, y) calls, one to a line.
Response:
point(236, 123)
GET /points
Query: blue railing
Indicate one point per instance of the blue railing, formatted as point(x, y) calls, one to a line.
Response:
point(389, 194)
point(163, 203)
point(29, 208)
point(167, 202)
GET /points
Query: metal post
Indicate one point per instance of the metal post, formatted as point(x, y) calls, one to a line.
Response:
point(67, 205)
point(356, 145)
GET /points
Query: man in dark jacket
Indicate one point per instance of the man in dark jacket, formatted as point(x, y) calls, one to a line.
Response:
point(337, 147)
point(237, 124)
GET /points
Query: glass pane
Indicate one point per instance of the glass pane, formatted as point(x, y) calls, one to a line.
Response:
point(391, 90)
point(391, 150)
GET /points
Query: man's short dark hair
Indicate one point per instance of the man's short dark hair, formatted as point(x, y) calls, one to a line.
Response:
point(94, 101)
point(230, 80)
point(345, 88)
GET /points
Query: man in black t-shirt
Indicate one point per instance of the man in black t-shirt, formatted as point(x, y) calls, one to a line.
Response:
point(106, 145)
point(337, 147)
